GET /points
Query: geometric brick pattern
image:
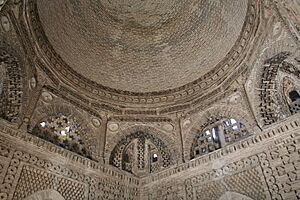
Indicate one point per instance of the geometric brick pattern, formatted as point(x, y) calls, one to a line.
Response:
point(128, 57)
point(268, 91)
point(33, 180)
point(210, 191)
point(247, 182)
point(281, 168)
point(243, 177)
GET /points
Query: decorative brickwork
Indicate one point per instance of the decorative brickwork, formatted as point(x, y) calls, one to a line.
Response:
point(11, 86)
point(242, 176)
point(33, 180)
point(46, 194)
point(149, 100)
point(269, 91)
point(27, 174)
point(281, 168)
point(65, 131)
point(133, 154)
point(136, 102)
point(217, 134)
point(66, 126)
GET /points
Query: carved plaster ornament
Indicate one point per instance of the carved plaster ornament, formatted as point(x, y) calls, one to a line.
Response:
point(26, 120)
point(5, 23)
point(96, 122)
point(113, 127)
point(186, 123)
point(32, 83)
point(249, 83)
point(2, 2)
point(277, 30)
point(234, 99)
point(168, 127)
point(47, 96)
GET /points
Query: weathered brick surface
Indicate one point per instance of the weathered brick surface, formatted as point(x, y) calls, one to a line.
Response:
point(142, 46)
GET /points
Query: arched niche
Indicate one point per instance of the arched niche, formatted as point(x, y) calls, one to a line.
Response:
point(211, 116)
point(144, 148)
point(262, 86)
point(65, 126)
point(45, 195)
point(234, 196)
point(115, 138)
point(141, 153)
point(216, 134)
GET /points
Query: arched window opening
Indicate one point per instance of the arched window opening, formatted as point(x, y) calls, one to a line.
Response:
point(233, 131)
point(294, 104)
point(63, 130)
point(295, 107)
point(156, 163)
point(218, 135)
point(291, 95)
point(294, 95)
point(208, 141)
point(140, 153)
point(154, 158)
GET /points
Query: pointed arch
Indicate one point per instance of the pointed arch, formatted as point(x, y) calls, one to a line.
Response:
point(234, 196)
point(65, 126)
point(262, 85)
point(215, 115)
point(139, 144)
point(46, 195)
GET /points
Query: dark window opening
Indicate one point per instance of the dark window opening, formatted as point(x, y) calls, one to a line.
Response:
point(294, 95)
point(126, 158)
point(154, 158)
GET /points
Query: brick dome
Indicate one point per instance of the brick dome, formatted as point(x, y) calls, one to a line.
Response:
point(142, 46)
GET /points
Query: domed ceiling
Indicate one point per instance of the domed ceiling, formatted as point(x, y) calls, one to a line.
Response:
point(142, 45)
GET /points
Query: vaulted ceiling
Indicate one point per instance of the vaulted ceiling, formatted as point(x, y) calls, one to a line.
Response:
point(144, 56)
point(142, 46)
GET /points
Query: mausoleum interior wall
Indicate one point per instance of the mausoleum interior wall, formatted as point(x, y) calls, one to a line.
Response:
point(263, 166)
point(231, 134)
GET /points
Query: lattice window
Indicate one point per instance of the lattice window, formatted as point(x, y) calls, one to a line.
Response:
point(233, 131)
point(155, 158)
point(207, 141)
point(217, 135)
point(295, 102)
point(63, 130)
point(128, 158)
point(140, 153)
